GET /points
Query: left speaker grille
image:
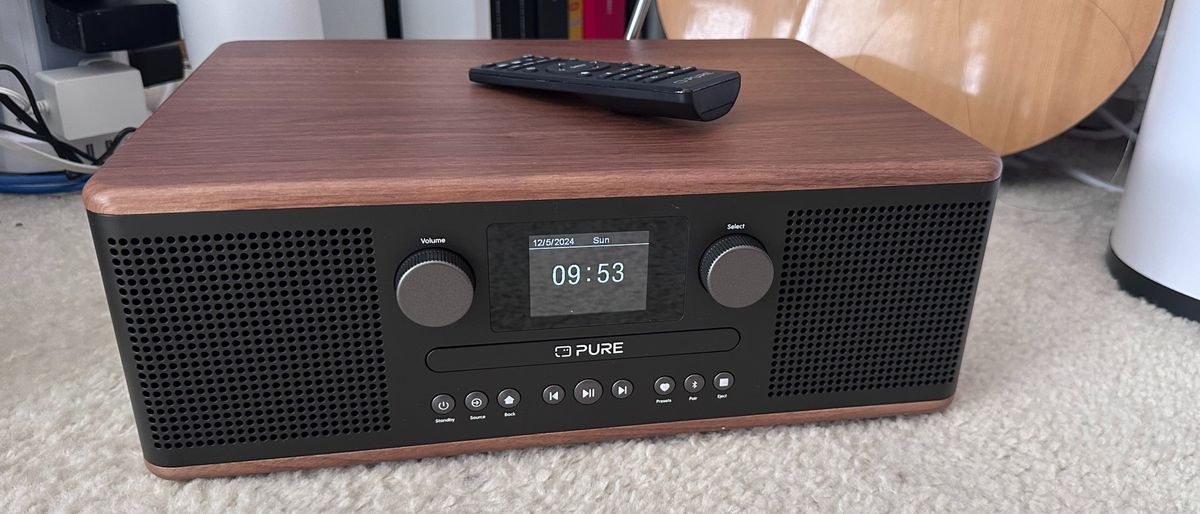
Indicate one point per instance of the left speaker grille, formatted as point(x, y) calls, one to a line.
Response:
point(254, 337)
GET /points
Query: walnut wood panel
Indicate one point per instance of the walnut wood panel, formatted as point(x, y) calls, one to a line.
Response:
point(533, 440)
point(265, 125)
point(1010, 73)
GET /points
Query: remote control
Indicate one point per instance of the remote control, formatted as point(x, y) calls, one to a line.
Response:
point(684, 92)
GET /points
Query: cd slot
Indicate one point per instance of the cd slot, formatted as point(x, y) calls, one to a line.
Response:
point(508, 355)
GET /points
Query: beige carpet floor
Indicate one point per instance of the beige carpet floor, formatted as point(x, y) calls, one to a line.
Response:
point(1073, 397)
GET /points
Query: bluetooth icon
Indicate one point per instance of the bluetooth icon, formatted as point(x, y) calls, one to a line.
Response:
point(693, 383)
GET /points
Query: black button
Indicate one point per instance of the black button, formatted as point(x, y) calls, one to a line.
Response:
point(723, 381)
point(530, 69)
point(553, 394)
point(501, 66)
point(573, 66)
point(664, 385)
point(476, 401)
point(488, 65)
point(622, 389)
point(508, 398)
point(693, 383)
point(442, 403)
point(588, 391)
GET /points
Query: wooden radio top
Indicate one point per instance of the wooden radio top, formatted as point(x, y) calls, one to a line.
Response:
point(269, 125)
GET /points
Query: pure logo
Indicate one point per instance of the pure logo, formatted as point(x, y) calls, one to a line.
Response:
point(589, 349)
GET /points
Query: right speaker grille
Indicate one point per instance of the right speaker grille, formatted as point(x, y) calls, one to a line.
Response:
point(875, 297)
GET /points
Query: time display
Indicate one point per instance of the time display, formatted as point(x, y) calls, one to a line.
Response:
point(588, 273)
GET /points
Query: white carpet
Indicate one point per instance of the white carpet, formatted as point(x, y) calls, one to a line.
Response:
point(1073, 397)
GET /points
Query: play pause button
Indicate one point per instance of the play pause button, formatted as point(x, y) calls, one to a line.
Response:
point(587, 391)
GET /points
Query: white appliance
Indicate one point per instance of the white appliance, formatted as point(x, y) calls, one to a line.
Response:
point(1155, 245)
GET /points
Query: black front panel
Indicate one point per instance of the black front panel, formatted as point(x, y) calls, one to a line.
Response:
point(262, 334)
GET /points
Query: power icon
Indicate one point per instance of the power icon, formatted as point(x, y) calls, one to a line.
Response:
point(442, 404)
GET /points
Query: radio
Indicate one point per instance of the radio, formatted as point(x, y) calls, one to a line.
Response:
point(329, 253)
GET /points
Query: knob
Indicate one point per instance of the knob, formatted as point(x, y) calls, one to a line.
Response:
point(434, 287)
point(736, 271)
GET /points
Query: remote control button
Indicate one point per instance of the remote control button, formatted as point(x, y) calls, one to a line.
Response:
point(622, 389)
point(654, 78)
point(530, 70)
point(585, 74)
point(488, 65)
point(608, 74)
point(693, 383)
point(621, 76)
point(723, 381)
point(501, 66)
point(588, 391)
point(688, 69)
point(526, 56)
point(476, 401)
point(574, 66)
point(509, 398)
point(664, 385)
point(518, 61)
point(553, 394)
point(442, 404)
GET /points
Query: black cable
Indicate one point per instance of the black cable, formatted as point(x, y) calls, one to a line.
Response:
point(38, 123)
point(62, 149)
point(47, 182)
point(115, 143)
point(39, 137)
point(37, 113)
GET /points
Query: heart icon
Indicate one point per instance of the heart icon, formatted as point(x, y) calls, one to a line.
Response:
point(664, 386)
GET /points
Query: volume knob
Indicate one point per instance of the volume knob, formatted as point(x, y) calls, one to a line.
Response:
point(434, 287)
point(737, 271)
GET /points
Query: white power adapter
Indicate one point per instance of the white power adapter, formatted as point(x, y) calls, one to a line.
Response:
point(93, 99)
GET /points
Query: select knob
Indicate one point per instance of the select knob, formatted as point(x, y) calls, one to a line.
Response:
point(736, 270)
point(434, 287)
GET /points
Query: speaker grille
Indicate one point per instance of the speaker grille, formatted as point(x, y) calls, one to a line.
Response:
point(875, 297)
point(254, 337)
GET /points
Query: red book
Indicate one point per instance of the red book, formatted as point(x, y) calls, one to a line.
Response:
point(603, 19)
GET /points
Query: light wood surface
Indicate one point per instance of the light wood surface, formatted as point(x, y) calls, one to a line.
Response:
point(1011, 73)
point(264, 125)
point(549, 439)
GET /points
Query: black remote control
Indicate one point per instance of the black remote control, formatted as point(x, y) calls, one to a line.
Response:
point(650, 89)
